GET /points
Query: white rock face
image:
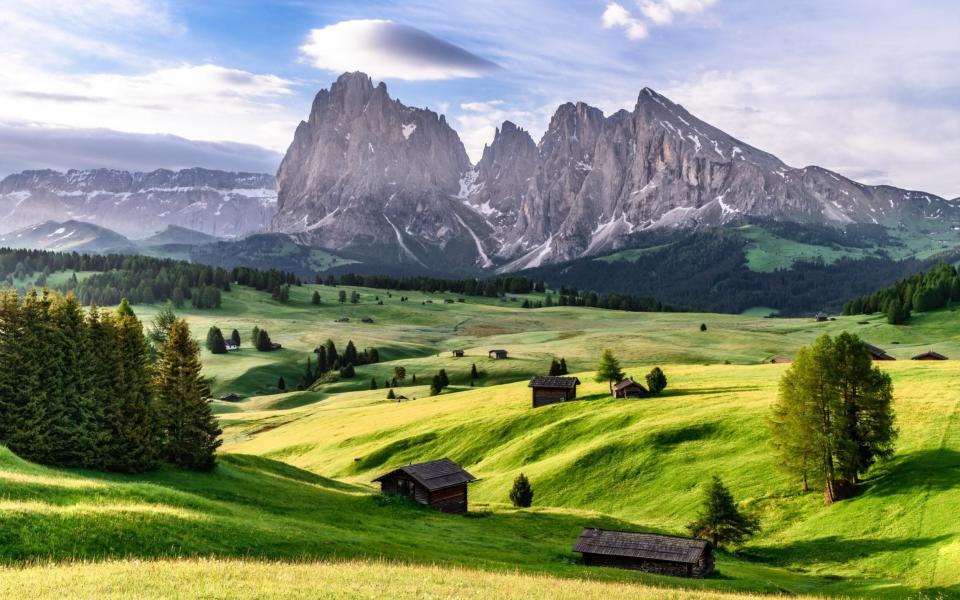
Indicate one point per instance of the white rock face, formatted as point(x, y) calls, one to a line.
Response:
point(369, 175)
point(138, 205)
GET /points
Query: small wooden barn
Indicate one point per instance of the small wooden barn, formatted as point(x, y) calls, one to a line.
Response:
point(822, 316)
point(661, 554)
point(439, 484)
point(498, 354)
point(930, 355)
point(878, 353)
point(628, 388)
point(553, 390)
point(458, 353)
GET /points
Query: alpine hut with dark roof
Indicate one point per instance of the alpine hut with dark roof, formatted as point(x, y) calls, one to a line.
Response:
point(628, 388)
point(553, 390)
point(878, 353)
point(930, 355)
point(439, 484)
point(662, 554)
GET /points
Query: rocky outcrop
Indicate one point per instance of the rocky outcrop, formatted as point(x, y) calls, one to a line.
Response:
point(137, 205)
point(369, 175)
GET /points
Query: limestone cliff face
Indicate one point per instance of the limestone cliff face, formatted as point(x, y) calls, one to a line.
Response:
point(369, 175)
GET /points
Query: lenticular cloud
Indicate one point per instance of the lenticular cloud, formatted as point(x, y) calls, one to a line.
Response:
point(387, 50)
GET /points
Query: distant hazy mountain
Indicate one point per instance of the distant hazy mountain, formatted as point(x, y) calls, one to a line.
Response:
point(137, 205)
point(69, 236)
point(372, 176)
point(178, 235)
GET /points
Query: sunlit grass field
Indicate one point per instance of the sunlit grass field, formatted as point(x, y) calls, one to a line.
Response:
point(293, 483)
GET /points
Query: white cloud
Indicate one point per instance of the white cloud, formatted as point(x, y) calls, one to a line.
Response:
point(207, 102)
point(478, 121)
point(388, 50)
point(616, 15)
point(657, 12)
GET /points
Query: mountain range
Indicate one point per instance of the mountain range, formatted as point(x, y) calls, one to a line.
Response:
point(137, 205)
point(368, 175)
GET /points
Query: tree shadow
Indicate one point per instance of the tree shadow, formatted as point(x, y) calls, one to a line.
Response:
point(936, 469)
point(835, 549)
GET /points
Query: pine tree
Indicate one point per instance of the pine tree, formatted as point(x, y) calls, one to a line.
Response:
point(413, 379)
point(235, 338)
point(444, 380)
point(719, 520)
point(563, 367)
point(521, 494)
point(190, 432)
point(656, 381)
point(215, 342)
point(131, 445)
point(347, 371)
point(435, 387)
point(281, 384)
point(554, 368)
point(316, 297)
point(391, 395)
point(255, 336)
point(322, 366)
point(160, 327)
point(608, 370)
point(264, 344)
point(399, 374)
point(473, 371)
point(69, 426)
point(373, 383)
point(350, 353)
point(703, 326)
point(332, 355)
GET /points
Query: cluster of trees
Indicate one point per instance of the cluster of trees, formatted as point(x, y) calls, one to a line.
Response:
point(260, 339)
point(708, 271)
point(612, 301)
point(354, 297)
point(263, 280)
point(281, 293)
point(329, 359)
point(439, 382)
point(937, 288)
point(609, 371)
point(833, 418)
point(491, 288)
point(216, 343)
point(85, 389)
point(557, 367)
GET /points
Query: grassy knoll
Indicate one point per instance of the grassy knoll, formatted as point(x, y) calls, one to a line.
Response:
point(294, 479)
point(228, 579)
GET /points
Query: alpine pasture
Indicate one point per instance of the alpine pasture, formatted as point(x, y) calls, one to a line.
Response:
point(291, 507)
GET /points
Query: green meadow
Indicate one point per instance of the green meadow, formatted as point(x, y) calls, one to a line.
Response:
point(291, 511)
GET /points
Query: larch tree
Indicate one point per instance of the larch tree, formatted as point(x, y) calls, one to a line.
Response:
point(191, 435)
point(608, 370)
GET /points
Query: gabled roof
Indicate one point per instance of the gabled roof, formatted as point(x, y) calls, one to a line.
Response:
point(930, 354)
point(488, 351)
point(647, 546)
point(625, 383)
point(879, 353)
point(553, 382)
point(434, 475)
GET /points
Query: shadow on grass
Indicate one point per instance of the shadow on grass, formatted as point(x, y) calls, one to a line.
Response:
point(936, 469)
point(837, 550)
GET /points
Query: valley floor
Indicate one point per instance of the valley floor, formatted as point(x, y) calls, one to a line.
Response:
point(294, 482)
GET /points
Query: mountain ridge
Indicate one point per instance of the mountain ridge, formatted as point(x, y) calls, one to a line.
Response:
point(587, 187)
point(138, 204)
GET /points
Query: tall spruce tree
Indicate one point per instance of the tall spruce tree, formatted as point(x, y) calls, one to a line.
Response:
point(720, 520)
point(160, 327)
point(132, 446)
point(191, 435)
point(235, 338)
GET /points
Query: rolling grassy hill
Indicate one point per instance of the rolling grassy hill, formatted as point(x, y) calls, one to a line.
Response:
point(294, 480)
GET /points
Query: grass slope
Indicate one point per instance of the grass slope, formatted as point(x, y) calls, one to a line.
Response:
point(293, 483)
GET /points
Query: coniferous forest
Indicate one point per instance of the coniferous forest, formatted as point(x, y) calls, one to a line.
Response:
point(81, 389)
point(937, 288)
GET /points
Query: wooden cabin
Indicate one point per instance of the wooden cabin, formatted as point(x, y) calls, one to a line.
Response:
point(439, 484)
point(661, 554)
point(628, 388)
point(497, 354)
point(458, 353)
point(276, 346)
point(878, 353)
point(821, 317)
point(930, 355)
point(553, 390)
point(231, 347)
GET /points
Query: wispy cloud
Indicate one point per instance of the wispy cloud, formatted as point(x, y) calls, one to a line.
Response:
point(387, 50)
point(656, 12)
point(615, 15)
point(25, 146)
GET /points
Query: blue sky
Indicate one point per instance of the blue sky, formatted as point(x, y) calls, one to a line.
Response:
point(868, 88)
